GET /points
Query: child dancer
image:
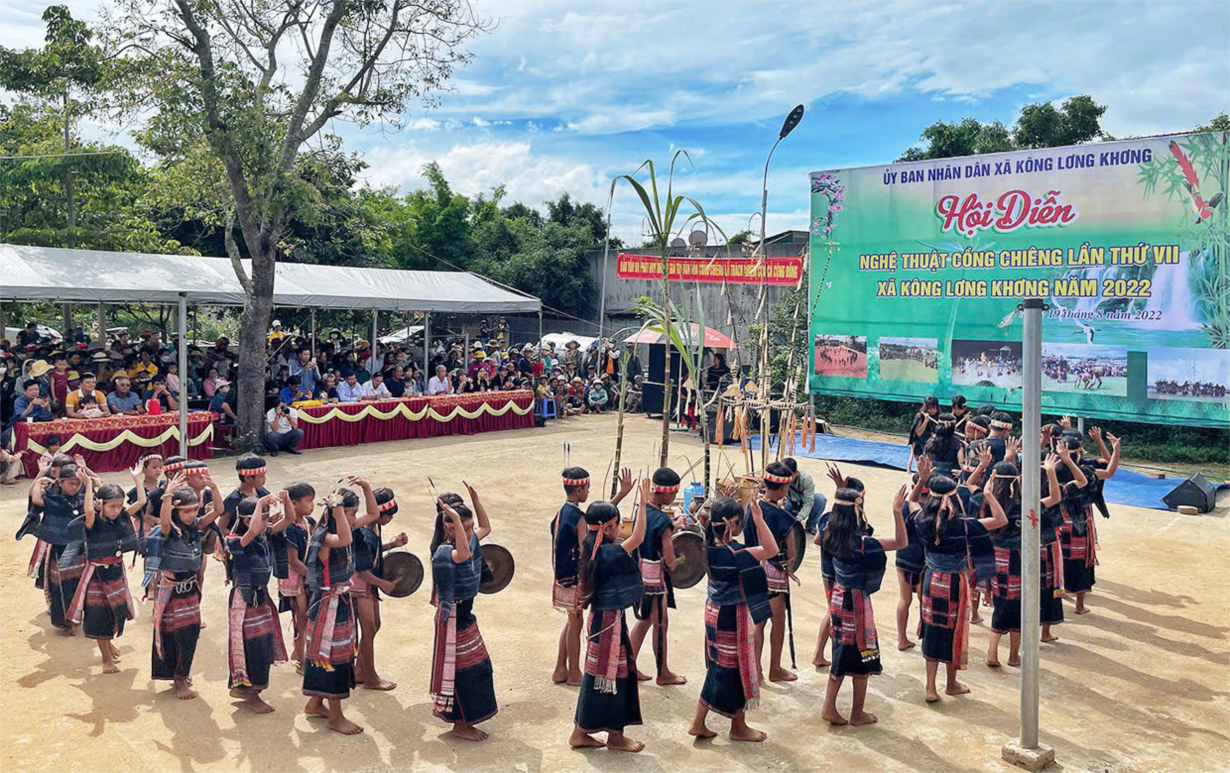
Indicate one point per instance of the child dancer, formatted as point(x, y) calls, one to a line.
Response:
point(367, 584)
point(102, 599)
point(777, 478)
point(328, 671)
point(657, 561)
point(1005, 489)
point(255, 640)
point(610, 583)
point(827, 572)
point(461, 675)
point(945, 533)
point(174, 559)
point(923, 428)
point(150, 467)
point(737, 599)
point(61, 500)
point(1079, 535)
point(567, 530)
point(859, 561)
point(292, 595)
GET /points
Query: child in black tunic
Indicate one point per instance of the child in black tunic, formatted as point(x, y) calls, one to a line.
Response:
point(610, 583)
point(103, 600)
point(62, 503)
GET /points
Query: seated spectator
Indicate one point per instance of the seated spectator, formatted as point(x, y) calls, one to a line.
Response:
point(326, 389)
point(440, 384)
point(30, 405)
point(396, 382)
point(86, 402)
point(375, 389)
point(173, 385)
point(574, 401)
point(466, 385)
point(10, 467)
point(595, 399)
point(223, 403)
point(612, 393)
point(350, 390)
point(124, 401)
point(158, 391)
point(544, 389)
point(28, 338)
point(143, 369)
point(293, 392)
point(635, 390)
point(483, 382)
point(282, 431)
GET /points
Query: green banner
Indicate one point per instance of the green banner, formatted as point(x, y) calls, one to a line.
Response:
point(916, 269)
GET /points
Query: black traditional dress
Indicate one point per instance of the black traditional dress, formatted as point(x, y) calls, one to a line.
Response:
point(736, 602)
point(61, 567)
point(255, 633)
point(565, 558)
point(1006, 584)
point(609, 700)
point(174, 561)
point(462, 683)
point(860, 570)
point(103, 602)
point(328, 659)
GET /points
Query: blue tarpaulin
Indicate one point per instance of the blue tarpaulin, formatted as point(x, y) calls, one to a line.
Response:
point(1126, 488)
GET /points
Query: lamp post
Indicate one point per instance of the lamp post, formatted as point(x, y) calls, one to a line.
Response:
point(788, 125)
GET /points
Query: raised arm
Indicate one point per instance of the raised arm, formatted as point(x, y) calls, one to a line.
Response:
point(138, 479)
point(625, 486)
point(257, 526)
point(338, 514)
point(998, 516)
point(164, 515)
point(1052, 482)
point(461, 546)
point(480, 512)
point(1096, 434)
point(764, 535)
point(1078, 475)
point(369, 502)
point(920, 485)
point(638, 528)
point(1113, 466)
point(36, 490)
point(88, 505)
point(900, 537)
point(974, 481)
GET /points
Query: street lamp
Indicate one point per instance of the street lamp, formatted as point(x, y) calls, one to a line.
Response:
point(792, 120)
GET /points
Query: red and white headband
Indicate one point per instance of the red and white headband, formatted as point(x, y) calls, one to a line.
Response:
point(252, 470)
point(655, 488)
point(194, 469)
point(771, 478)
point(388, 505)
point(576, 481)
point(174, 466)
point(1001, 424)
point(147, 457)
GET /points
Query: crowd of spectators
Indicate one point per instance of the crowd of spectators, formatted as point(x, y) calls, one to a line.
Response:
point(131, 376)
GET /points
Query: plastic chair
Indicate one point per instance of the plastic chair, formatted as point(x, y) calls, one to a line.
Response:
point(547, 409)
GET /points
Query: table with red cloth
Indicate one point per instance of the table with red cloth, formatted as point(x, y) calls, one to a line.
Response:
point(349, 424)
point(115, 443)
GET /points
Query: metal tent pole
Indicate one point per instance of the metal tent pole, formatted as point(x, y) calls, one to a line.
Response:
point(181, 353)
point(313, 333)
point(426, 349)
point(1027, 752)
point(540, 326)
point(102, 324)
point(372, 364)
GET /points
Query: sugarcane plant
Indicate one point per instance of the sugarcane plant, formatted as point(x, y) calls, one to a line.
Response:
point(661, 220)
point(687, 336)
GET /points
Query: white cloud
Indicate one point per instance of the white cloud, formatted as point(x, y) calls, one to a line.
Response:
point(424, 125)
point(480, 123)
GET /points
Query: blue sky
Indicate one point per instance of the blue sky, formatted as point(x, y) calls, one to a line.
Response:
point(562, 96)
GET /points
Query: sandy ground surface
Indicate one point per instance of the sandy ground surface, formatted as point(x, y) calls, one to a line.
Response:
point(1140, 684)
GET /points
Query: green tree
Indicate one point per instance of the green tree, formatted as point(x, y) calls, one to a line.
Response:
point(739, 238)
point(1220, 123)
point(1039, 125)
point(256, 80)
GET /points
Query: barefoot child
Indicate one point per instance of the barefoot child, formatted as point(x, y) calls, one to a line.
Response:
point(150, 469)
point(567, 530)
point(657, 561)
point(859, 561)
point(254, 634)
point(737, 599)
point(102, 599)
point(62, 500)
point(328, 668)
point(292, 594)
point(777, 568)
point(365, 588)
point(1079, 535)
point(174, 558)
point(827, 573)
point(1005, 488)
point(462, 689)
point(945, 533)
point(610, 583)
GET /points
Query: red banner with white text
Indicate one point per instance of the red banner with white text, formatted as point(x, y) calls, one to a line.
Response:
point(773, 271)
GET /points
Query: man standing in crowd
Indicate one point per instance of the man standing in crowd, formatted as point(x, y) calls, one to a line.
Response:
point(282, 431)
point(305, 368)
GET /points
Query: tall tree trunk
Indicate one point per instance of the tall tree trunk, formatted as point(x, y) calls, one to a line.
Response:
point(68, 169)
point(253, 326)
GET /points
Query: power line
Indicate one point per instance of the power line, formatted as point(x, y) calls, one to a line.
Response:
point(63, 155)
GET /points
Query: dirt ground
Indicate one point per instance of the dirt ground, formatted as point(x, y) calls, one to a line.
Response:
point(1140, 684)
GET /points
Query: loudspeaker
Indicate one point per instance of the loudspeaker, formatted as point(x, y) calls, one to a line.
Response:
point(651, 392)
point(1195, 491)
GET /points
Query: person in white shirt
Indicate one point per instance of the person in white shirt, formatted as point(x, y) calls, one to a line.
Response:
point(282, 431)
point(439, 383)
point(350, 390)
point(375, 389)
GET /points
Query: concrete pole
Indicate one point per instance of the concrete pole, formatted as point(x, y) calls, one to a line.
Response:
point(313, 333)
point(606, 249)
point(1027, 752)
point(3, 325)
point(1080, 426)
point(181, 354)
point(540, 327)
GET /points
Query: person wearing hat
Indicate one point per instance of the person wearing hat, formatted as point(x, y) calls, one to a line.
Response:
point(596, 397)
point(29, 337)
point(480, 362)
point(277, 334)
point(223, 402)
point(144, 368)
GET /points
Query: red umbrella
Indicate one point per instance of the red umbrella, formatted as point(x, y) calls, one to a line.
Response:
point(655, 335)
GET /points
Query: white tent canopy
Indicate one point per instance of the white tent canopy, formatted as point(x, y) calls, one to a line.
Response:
point(93, 276)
